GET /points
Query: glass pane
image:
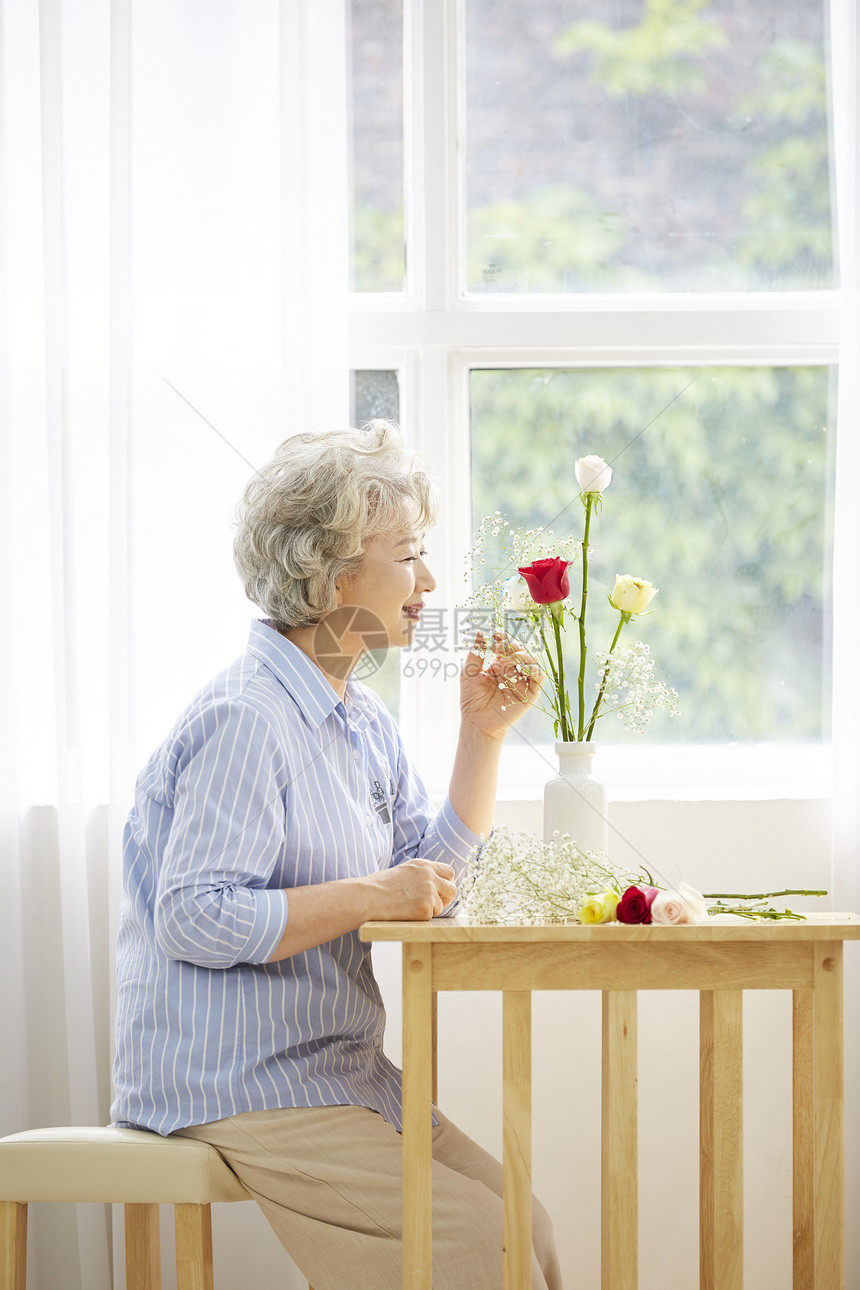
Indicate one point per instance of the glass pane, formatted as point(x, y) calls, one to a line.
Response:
point(377, 250)
point(376, 396)
point(721, 497)
point(647, 145)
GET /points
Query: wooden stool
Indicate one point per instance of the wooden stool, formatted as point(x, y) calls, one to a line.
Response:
point(122, 1166)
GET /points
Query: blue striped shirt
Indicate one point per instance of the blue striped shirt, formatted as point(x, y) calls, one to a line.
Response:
point(267, 781)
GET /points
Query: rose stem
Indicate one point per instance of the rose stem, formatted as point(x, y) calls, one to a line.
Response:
point(758, 895)
point(565, 730)
point(559, 693)
point(589, 502)
point(625, 618)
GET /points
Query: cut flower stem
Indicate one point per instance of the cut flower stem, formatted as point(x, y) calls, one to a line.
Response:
point(588, 499)
point(625, 618)
point(559, 680)
point(759, 895)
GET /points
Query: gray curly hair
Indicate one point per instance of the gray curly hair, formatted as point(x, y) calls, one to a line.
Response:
point(303, 518)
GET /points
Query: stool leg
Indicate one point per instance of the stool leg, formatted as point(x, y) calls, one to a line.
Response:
point(13, 1245)
point(193, 1247)
point(142, 1248)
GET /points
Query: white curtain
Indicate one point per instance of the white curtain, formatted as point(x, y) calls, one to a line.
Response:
point(166, 306)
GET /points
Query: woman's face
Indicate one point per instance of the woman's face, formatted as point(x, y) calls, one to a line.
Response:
point(391, 584)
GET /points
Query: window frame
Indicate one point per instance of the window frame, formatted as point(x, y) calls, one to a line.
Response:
point(434, 334)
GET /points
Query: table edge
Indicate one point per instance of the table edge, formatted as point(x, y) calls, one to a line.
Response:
point(452, 930)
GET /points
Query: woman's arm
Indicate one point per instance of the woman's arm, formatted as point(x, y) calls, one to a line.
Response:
point(415, 889)
point(492, 698)
point(474, 778)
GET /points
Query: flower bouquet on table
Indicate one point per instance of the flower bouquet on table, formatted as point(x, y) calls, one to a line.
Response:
point(534, 605)
point(517, 878)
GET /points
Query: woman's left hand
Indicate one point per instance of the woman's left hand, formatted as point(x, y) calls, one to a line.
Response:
point(495, 695)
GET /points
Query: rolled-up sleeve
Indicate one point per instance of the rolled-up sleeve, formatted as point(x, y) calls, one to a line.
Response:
point(446, 831)
point(213, 905)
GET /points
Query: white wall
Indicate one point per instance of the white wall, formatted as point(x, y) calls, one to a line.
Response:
point(715, 845)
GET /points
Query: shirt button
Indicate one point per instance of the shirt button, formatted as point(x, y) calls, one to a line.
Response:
point(368, 819)
point(356, 754)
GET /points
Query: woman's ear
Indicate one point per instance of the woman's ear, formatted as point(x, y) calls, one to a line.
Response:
point(343, 588)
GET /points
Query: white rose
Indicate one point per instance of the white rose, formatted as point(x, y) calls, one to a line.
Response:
point(695, 900)
point(517, 597)
point(631, 595)
point(592, 474)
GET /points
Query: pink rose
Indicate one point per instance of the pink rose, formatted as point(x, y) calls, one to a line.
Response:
point(686, 906)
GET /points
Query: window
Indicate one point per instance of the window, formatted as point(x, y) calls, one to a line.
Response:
point(375, 68)
point(723, 502)
point(621, 238)
point(376, 396)
point(641, 146)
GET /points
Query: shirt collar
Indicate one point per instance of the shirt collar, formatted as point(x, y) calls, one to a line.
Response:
point(303, 680)
point(359, 704)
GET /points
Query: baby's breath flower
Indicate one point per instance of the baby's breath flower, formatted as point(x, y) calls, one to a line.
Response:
point(518, 546)
point(499, 545)
point(517, 878)
point(631, 691)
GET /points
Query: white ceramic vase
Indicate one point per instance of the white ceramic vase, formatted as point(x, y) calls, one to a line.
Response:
point(575, 802)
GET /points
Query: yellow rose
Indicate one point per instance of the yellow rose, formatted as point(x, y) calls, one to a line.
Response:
point(631, 595)
point(599, 909)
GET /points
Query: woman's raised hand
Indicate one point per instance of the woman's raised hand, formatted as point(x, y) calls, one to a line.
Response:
point(497, 690)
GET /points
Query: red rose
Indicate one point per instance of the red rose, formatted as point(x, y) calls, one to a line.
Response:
point(547, 580)
point(635, 905)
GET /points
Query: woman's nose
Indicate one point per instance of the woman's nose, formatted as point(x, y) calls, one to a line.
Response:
point(424, 578)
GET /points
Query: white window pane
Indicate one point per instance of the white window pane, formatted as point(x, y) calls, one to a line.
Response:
point(721, 497)
point(377, 258)
point(647, 146)
point(375, 395)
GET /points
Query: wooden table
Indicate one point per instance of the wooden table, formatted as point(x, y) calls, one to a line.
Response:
point(720, 960)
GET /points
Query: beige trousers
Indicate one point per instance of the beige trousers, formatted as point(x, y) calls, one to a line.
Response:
point(328, 1181)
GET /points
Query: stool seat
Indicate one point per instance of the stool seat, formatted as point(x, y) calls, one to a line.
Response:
point(130, 1167)
point(122, 1166)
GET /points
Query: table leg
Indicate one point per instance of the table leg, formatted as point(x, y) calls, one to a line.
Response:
point(517, 1139)
point(619, 1208)
point(417, 1134)
point(434, 1045)
point(829, 1180)
point(803, 1139)
point(721, 1262)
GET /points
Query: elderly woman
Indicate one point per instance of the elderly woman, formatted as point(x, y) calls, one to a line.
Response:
point(280, 813)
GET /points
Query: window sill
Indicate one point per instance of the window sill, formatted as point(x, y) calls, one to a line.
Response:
point(691, 773)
